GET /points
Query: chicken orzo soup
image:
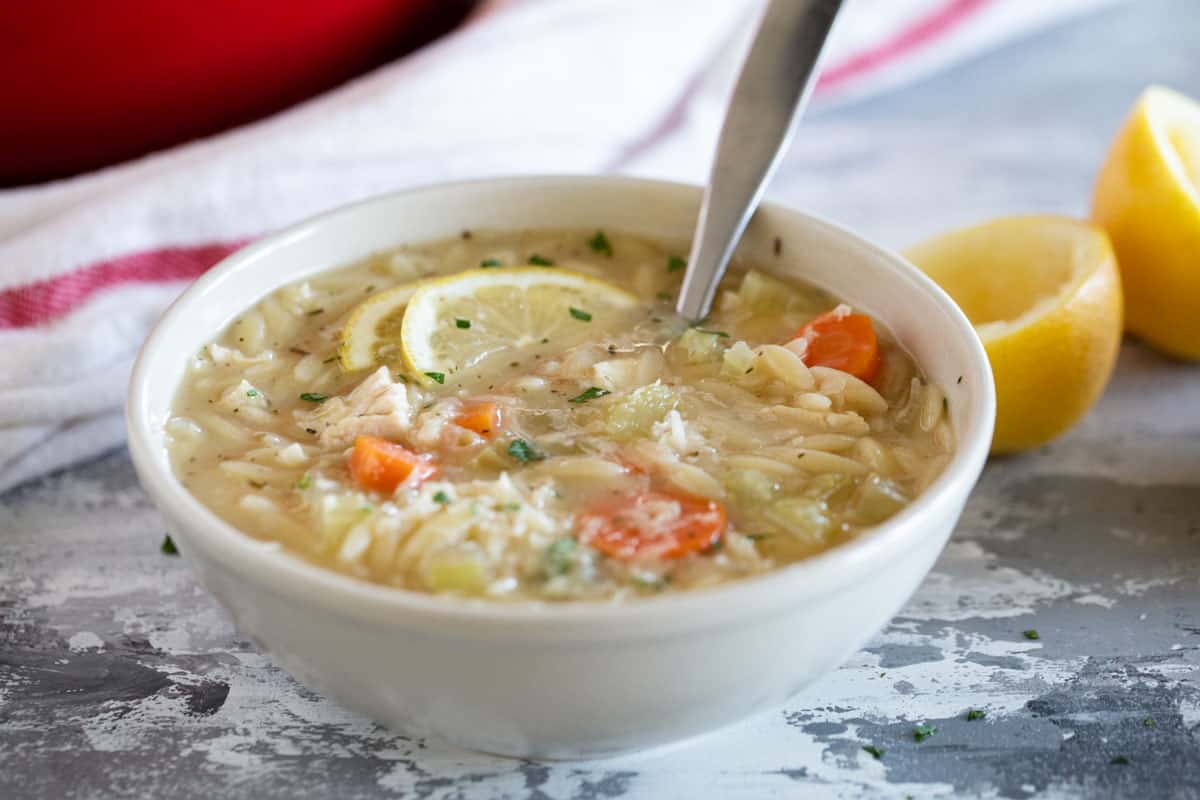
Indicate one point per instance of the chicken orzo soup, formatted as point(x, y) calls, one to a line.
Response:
point(521, 416)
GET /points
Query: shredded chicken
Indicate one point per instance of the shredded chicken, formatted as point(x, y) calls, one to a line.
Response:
point(376, 407)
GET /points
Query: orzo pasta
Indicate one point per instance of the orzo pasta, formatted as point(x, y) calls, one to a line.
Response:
point(522, 417)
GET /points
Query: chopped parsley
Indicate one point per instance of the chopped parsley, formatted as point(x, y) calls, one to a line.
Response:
point(304, 482)
point(757, 537)
point(1119, 760)
point(489, 262)
point(877, 752)
point(923, 731)
point(314, 397)
point(168, 546)
point(462, 323)
point(1031, 634)
point(1149, 722)
point(523, 451)
point(441, 497)
point(722, 334)
point(541, 261)
point(975, 713)
point(663, 295)
point(252, 393)
point(560, 556)
point(600, 244)
point(580, 314)
point(675, 263)
point(591, 393)
point(436, 377)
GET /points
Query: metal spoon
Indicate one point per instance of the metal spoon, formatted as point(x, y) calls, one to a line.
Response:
point(763, 113)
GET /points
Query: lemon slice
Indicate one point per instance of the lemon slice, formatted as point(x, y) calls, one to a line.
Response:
point(1044, 295)
point(371, 335)
point(453, 323)
point(1147, 197)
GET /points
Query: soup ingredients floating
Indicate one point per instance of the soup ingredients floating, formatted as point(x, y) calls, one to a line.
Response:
point(371, 333)
point(510, 310)
point(556, 439)
point(653, 525)
point(1044, 294)
point(381, 466)
point(841, 339)
point(1148, 199)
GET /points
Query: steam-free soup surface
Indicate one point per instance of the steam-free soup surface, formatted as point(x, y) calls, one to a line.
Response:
point(520, 416)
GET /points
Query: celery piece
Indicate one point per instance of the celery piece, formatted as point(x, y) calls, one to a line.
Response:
point(802, 517)
point(461, 570)
point(334, 515)
point(878, 499)
point(632, 416)
point(700, 346)
point(750, 487)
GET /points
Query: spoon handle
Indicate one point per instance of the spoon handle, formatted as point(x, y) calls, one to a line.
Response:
point(767, 103)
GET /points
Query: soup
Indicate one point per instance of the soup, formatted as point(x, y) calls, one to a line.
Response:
point(521, 416)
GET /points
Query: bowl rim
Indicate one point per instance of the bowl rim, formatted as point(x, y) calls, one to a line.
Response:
point(290, 574)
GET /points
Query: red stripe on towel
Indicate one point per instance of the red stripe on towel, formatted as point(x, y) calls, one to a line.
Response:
point(915, 36)
point(45, 301)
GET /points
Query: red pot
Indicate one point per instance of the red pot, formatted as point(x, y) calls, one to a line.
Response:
point(84, 83)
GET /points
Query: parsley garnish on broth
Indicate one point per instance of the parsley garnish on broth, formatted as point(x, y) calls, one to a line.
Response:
point(923, 731)
point(600, 244)
point(489, 262)
point(436, 377)
point(541, 261)
point(877, 752)
point(560, 557)
point(675, 263)
point(304, 482)
point(523, 451)
point(974, 714)
point(663, 295)
point(314, 397)
point(1031, 634)
point(591, 393)
point(580, 314)
point(462, 324)
point(252, 393)
point(168, 546)
point(722, 334)
point(441, 497)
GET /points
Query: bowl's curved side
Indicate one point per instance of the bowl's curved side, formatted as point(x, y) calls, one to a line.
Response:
point(579, 679)
point(564, 698)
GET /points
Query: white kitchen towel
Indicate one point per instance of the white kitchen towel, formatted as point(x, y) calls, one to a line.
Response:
point(540, 86)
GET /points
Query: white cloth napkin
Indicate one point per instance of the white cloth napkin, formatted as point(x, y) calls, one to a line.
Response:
point(576, 86)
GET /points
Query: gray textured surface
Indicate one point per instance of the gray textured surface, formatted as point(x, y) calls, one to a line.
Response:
point(120, 677)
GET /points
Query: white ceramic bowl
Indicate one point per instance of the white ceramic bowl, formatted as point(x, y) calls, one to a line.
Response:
point(579, 680)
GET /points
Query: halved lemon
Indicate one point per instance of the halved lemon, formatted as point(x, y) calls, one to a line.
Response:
point(371, 335)
point(455, 322)
point(1148, 199)
point(1044, 294)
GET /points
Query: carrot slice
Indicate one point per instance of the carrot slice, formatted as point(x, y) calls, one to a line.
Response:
point(483, 418)
point(653, 525)
point(842, 341)
point(381, 466)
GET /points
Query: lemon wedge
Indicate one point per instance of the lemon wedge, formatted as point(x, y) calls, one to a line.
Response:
point(371, 335)
point(453, 323)
point(1148, 199)
point(1044, 294)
